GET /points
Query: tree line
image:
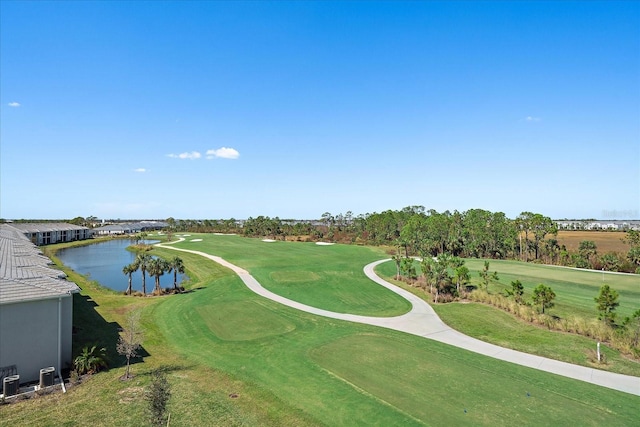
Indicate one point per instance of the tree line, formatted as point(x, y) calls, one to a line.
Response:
point(420, 232)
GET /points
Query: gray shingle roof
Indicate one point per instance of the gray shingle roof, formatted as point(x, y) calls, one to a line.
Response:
point(27, 227)
point(25, 274)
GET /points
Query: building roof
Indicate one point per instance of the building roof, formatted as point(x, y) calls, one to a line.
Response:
point(27, 227)
point(26, 274)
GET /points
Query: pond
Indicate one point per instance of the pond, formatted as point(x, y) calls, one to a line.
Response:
point(103, 262)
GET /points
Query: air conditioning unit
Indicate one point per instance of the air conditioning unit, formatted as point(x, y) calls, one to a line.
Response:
point(47, 376)
point(10, 385)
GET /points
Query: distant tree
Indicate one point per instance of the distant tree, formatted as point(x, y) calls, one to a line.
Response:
point(553, 249)
point(177, 266)
point(77, 221)
point(130, 339)
point(523, 224)
point(158, 395)
point(327, 219)
point(544, 296)
point(129, 270)
point(541, 226)
point(171, 222)
point(588, 250)
point(634, 255)
point(607, 302)
point(632, 238)
point(610, 262)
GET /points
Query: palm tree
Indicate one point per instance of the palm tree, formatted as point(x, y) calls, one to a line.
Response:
point(157, 267)
point(142, 261)
point(91, 360)
point(177, 266)
point(129, 270)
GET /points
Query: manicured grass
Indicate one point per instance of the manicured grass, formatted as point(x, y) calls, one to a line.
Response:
point(575, 289)
point(292, 368)
point(339, 373)
point(328, 277)
point(498, 327)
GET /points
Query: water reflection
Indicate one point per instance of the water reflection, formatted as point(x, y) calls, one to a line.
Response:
point(103, 262)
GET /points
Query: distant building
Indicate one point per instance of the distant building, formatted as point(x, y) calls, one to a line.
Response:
point(129, 228)
point(36, 308)
point(49, 233)
point(612, 225)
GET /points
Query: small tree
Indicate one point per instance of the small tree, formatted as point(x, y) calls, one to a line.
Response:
point(461, 276)
point(130, 340)
point(607, 301)
point(158, 396)
point(397, 259)
point(407, 268)
point(516, 291)
point(544, 296)
point(633, 323)
point(486, 277)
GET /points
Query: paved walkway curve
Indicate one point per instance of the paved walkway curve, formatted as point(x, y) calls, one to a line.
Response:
point(423, 321)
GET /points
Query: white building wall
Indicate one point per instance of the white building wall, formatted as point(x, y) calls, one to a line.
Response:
point(29, 336)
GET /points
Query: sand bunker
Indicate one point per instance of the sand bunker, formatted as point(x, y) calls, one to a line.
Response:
point(324, 243)
point(224, 234)
point(196, 240)
point(268, 240)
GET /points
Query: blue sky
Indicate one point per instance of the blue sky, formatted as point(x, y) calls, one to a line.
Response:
point(235, 109)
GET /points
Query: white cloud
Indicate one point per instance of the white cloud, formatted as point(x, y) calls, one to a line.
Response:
point(14, 104)
point(140, 170)
point(224, 153)
point(532, 119)
point(192, 155)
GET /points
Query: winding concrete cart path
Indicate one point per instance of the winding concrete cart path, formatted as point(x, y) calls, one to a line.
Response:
point(423, 321)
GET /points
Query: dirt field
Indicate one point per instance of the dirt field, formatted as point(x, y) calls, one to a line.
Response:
point(606, 241)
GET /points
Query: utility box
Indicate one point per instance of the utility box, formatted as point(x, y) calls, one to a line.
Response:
point(10, 385)
point(47, 376)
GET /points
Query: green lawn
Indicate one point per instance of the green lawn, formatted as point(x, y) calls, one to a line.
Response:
point(498, 327)
point(291, 368)
point(575, 289)
point(328, 277)
point(339, 373)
